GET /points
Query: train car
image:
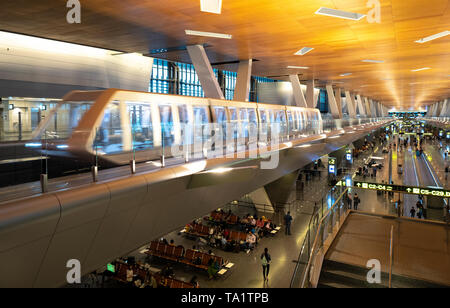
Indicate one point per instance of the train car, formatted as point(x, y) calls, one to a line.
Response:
point(119, 125)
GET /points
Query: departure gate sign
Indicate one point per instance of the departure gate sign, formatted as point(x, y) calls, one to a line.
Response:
point(426, 191)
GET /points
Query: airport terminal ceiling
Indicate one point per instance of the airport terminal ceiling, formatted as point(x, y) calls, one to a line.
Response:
point(399, 73)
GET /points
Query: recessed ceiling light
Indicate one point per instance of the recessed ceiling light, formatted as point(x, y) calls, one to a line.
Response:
point(433, 37)
point(339, 14)
point(209, 34)
point(421, 69)
point(211, 6)
point(298, 67)
point(373, 61)
point(303, 51)
point(346, 74)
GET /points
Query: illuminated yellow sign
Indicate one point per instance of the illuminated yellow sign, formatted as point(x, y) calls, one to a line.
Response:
point(404, 189)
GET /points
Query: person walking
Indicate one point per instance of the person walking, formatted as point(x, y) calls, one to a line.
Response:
point(349, 201)
point(412, 212)
point(356, 201)
point(265, 261)
point(287, 222)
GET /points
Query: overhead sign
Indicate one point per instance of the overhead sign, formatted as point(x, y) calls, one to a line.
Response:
point(426, 191)
point(332, 165)
point(348, 155)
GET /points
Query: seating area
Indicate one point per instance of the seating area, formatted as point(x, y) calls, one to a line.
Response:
point(191, 257)
point(230, 232)
point(222, 217)
point(144, 275)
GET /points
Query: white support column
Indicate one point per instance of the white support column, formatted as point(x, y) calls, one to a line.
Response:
point(337, 96)
point(310, 94)
point(316, 99)
point(332, 102)
point(205, 72)
point(299, 98)
point(311, 97)
point(435, 109)
point(367, 106)
point(373, 108)
point(351, 107)
point(261, 200)
point(361, 110)
point(244, 75)
point(445, 109)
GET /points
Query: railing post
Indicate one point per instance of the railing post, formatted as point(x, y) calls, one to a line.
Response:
point(44, 183)
point(94, 171)
point(133, 166)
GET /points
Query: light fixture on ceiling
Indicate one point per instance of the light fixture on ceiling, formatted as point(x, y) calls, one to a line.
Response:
point(373, 61)
point(421, 69)
point(433, 37)
point(345, 74)
point(339, 14)
point(337, 82)
point(303, 51)
point(211, 6)
point(298, 67)
point(209, 34)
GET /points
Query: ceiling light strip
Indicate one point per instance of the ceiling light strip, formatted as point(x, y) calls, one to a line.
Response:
point(433, 37)
point(339, 14)
point(209, 34)
point(303, 51)
point(421, 69)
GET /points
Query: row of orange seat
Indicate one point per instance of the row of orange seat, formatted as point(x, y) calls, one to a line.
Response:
point(190, 257)
point(143, 274)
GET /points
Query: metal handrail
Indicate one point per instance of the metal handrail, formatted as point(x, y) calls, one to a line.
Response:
point(390, 255)
point(313, 250)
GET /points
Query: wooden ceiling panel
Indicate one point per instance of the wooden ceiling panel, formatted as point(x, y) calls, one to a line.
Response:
point(270, 31)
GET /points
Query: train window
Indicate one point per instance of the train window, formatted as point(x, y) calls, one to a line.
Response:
point(201, 132)
point(271, 116)
point(221, 115)
point(280, 117)
point(167, 130)
point(141, 125)
point(252, 116)
point(183, 114)
point(233, 121)
point(108, 137)
point(186, 129)
point(290, 121)
point(299, 120)
point(62, 120)
point(243, 117)
point(262, 116)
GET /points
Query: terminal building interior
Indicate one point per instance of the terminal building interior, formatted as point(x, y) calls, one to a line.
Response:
point(219, 144)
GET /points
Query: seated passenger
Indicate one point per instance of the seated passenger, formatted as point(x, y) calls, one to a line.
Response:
point(223, 242)
point(213, 268)
point(172, 243)
point(260, 223)
point(250, 241)
point(226, 233)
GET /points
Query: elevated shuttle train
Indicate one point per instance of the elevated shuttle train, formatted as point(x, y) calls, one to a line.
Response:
point(118, 124)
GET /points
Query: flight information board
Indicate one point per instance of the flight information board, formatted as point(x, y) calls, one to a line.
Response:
point(425, 191)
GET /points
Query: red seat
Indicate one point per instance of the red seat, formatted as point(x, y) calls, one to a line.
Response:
point(153, 246)
point(161, 249)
